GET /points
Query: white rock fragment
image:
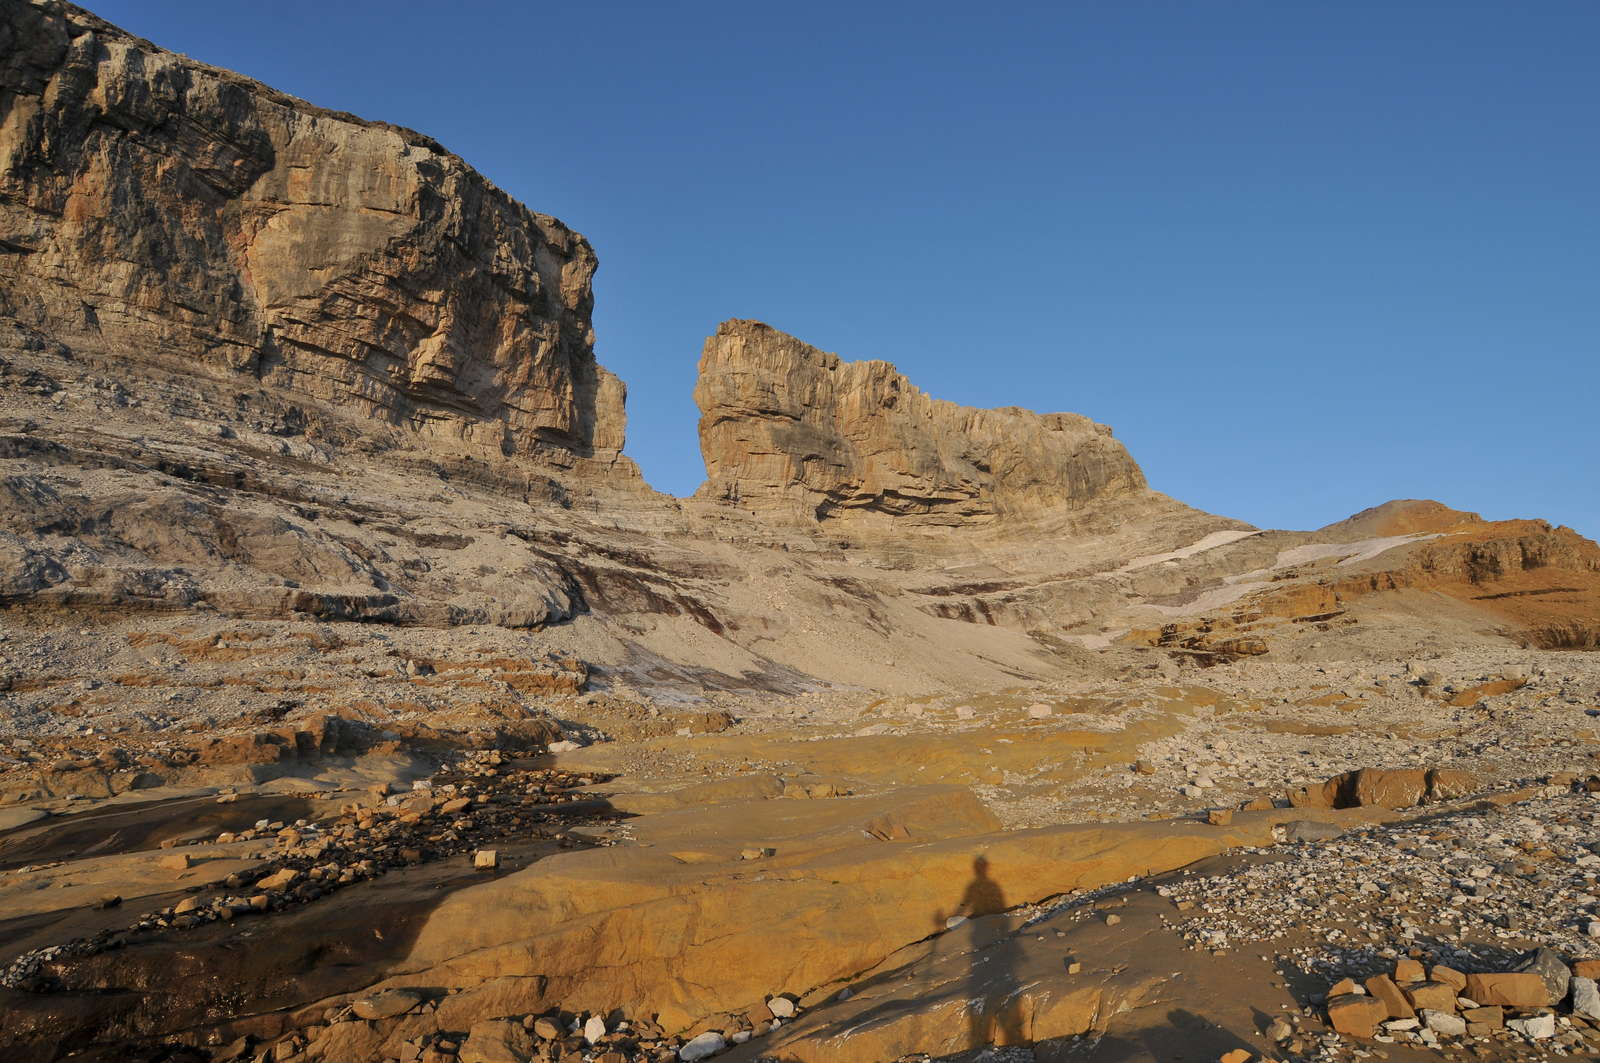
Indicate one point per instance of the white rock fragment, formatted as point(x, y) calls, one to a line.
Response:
point(1535, 1028)
point(702, 1046)
point(1585, 998)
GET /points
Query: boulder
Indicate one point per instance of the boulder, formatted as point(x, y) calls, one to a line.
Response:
point(1534, 1027)
point(1402, 788)
point(1551, 969)
point(387, 1003)
point(1408, 970)
point(497, 1041)
point(1585, 998)
point(1436, 996)
point(1356, 1016)
point(702, 1046)
point(1382, 988)
point(1515, 989)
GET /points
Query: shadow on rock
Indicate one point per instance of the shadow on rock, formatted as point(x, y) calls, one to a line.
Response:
point(1186, 1038)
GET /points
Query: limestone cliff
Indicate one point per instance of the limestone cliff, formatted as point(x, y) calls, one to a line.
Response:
point(787, 427)
point(157, 210)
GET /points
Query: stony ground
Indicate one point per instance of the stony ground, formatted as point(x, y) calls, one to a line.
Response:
point(406, 791)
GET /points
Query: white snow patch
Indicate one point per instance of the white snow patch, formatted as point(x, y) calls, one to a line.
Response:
point(1210, 542)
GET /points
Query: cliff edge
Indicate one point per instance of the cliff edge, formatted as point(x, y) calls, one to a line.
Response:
point(160, 211)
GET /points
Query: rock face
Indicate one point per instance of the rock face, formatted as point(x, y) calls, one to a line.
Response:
point(787, 427)
point(165, 212)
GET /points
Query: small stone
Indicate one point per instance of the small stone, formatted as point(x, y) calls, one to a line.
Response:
point(486, 859)
point(546, 1028)
point(1238, 1055)
point(281, 879)
point(1444, 1023)
point(781, 1007)
point(1346, 986)
point(1040, 712)
point(1492, 1017)
point(1448, 975)
point(1074, 967)
point(185, 906)
point(177, 861)
point(1113, 919)
point(1219, 817)
point(594, 1029)
point(1279, 1030)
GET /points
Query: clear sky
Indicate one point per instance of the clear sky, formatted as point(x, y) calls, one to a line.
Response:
point(1304, 258)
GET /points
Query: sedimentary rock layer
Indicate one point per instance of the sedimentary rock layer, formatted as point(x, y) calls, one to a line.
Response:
point(161, 211)
point(787, 427)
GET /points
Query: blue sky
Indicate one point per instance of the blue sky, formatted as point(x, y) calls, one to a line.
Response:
point(1303, 258)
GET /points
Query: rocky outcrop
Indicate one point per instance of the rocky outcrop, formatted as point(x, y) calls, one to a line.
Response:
point(1401, 516)
point(162, 212)
point(787, 427)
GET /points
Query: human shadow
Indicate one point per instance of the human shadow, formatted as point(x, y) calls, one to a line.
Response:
point(994, 1006)
point(1184, 1038)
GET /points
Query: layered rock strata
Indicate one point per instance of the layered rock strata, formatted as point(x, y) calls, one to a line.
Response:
point(159, 211)
point(786, 427)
